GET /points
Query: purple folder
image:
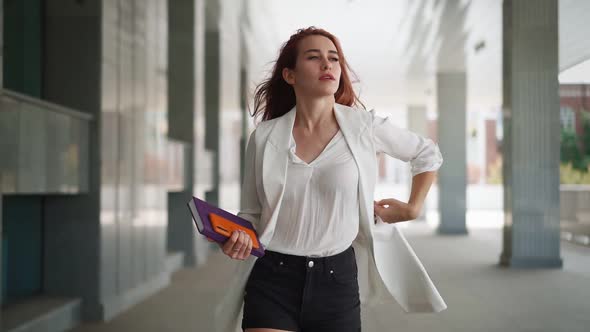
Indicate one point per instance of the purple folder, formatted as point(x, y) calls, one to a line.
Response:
point(201, 210)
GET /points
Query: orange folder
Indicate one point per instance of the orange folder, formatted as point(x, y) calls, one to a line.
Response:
point(226, 227)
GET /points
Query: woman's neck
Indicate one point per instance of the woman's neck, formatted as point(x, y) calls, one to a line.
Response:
point(314, 114)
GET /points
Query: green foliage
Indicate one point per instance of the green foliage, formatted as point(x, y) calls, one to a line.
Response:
point(575, 157)
point(576, 150)
point(569, 147)
point(586, 135)
point(575, 154)
point(569, 175)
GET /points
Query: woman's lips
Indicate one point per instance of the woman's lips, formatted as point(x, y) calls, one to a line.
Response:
point(326, 77)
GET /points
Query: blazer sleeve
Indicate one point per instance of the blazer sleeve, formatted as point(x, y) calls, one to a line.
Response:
point(250, 208)
point(422, 153)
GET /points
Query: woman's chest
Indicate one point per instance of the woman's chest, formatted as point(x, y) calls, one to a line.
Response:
point(309, 147)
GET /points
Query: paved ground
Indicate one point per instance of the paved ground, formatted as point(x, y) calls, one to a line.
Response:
point(481, 295)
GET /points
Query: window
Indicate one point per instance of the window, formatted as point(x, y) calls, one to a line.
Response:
point(568, 118)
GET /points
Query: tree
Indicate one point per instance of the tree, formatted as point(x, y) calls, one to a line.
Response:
point(585, 138)
point(570, 153)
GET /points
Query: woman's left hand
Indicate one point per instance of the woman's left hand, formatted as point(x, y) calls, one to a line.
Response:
point(396, 211)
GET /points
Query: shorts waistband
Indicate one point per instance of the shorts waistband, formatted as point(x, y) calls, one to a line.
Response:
point(294, 259)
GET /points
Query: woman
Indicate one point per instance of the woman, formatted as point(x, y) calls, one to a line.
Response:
point(308, 190)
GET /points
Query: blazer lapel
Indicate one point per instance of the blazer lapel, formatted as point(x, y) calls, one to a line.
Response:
point(274, 167)
point(353, 126)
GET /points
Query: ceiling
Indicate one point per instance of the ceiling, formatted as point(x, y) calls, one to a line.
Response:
point(397, 46)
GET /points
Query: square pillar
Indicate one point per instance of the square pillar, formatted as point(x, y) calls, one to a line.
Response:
point(531, 144)
point(452, 177)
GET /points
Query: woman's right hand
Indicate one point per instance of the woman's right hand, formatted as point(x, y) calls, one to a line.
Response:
point(238, 246)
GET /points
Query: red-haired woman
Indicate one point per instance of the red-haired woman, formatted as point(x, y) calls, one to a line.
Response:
point(308, 190)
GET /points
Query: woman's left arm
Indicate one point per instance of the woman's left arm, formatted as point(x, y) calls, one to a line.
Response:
point(420, 186)
point(391, 210)
point(424, 157)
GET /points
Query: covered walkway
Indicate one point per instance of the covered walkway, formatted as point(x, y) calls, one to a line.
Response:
point(481, 295)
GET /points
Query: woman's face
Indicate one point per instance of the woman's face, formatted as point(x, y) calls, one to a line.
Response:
point(317, 69)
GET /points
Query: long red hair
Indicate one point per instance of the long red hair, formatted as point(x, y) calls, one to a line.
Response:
point(274, 97)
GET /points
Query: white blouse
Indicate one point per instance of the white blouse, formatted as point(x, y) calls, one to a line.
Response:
point(319, 213)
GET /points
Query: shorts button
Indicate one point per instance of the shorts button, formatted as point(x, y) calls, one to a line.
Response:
point(310, 264)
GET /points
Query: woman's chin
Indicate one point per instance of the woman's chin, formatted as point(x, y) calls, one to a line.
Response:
point(325, 92)
point(318, 92)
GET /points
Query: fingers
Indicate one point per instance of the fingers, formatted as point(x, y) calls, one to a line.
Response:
point(386, 201)
point(228, 246)
point(247, 248)
point(378, 205)
point(378, 208)
point(242, 253)
point(238, 246)
point(240, 243)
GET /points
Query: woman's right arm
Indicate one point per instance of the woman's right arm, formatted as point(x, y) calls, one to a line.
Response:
point(250, 207)
point(239, 245)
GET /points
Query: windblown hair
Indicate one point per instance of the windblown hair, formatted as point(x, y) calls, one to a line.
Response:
point(274, 96)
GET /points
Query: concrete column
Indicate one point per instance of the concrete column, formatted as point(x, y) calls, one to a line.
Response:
point(212, 92)
point(418, 123)
point(244, 61)
point(181, 122)
point(452, 176)
point(23, 52)
point(109, 246)
point(1, 87)
point(1, 46)
point(1, 231)
point(72, 233)
point(531, 134)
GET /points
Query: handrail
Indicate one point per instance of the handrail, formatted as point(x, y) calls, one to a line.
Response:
point(19, 97)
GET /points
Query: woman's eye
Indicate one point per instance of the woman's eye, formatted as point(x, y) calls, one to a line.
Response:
point(316, 57)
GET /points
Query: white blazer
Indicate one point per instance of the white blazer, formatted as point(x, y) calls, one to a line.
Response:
point(388, 268)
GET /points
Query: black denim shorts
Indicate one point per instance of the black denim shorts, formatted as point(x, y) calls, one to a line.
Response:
point(298, 293)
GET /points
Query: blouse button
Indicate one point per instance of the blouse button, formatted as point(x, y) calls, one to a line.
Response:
point(310, 264)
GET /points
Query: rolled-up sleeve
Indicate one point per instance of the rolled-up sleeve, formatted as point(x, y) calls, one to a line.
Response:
point(250, 208)
point(422, 153)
